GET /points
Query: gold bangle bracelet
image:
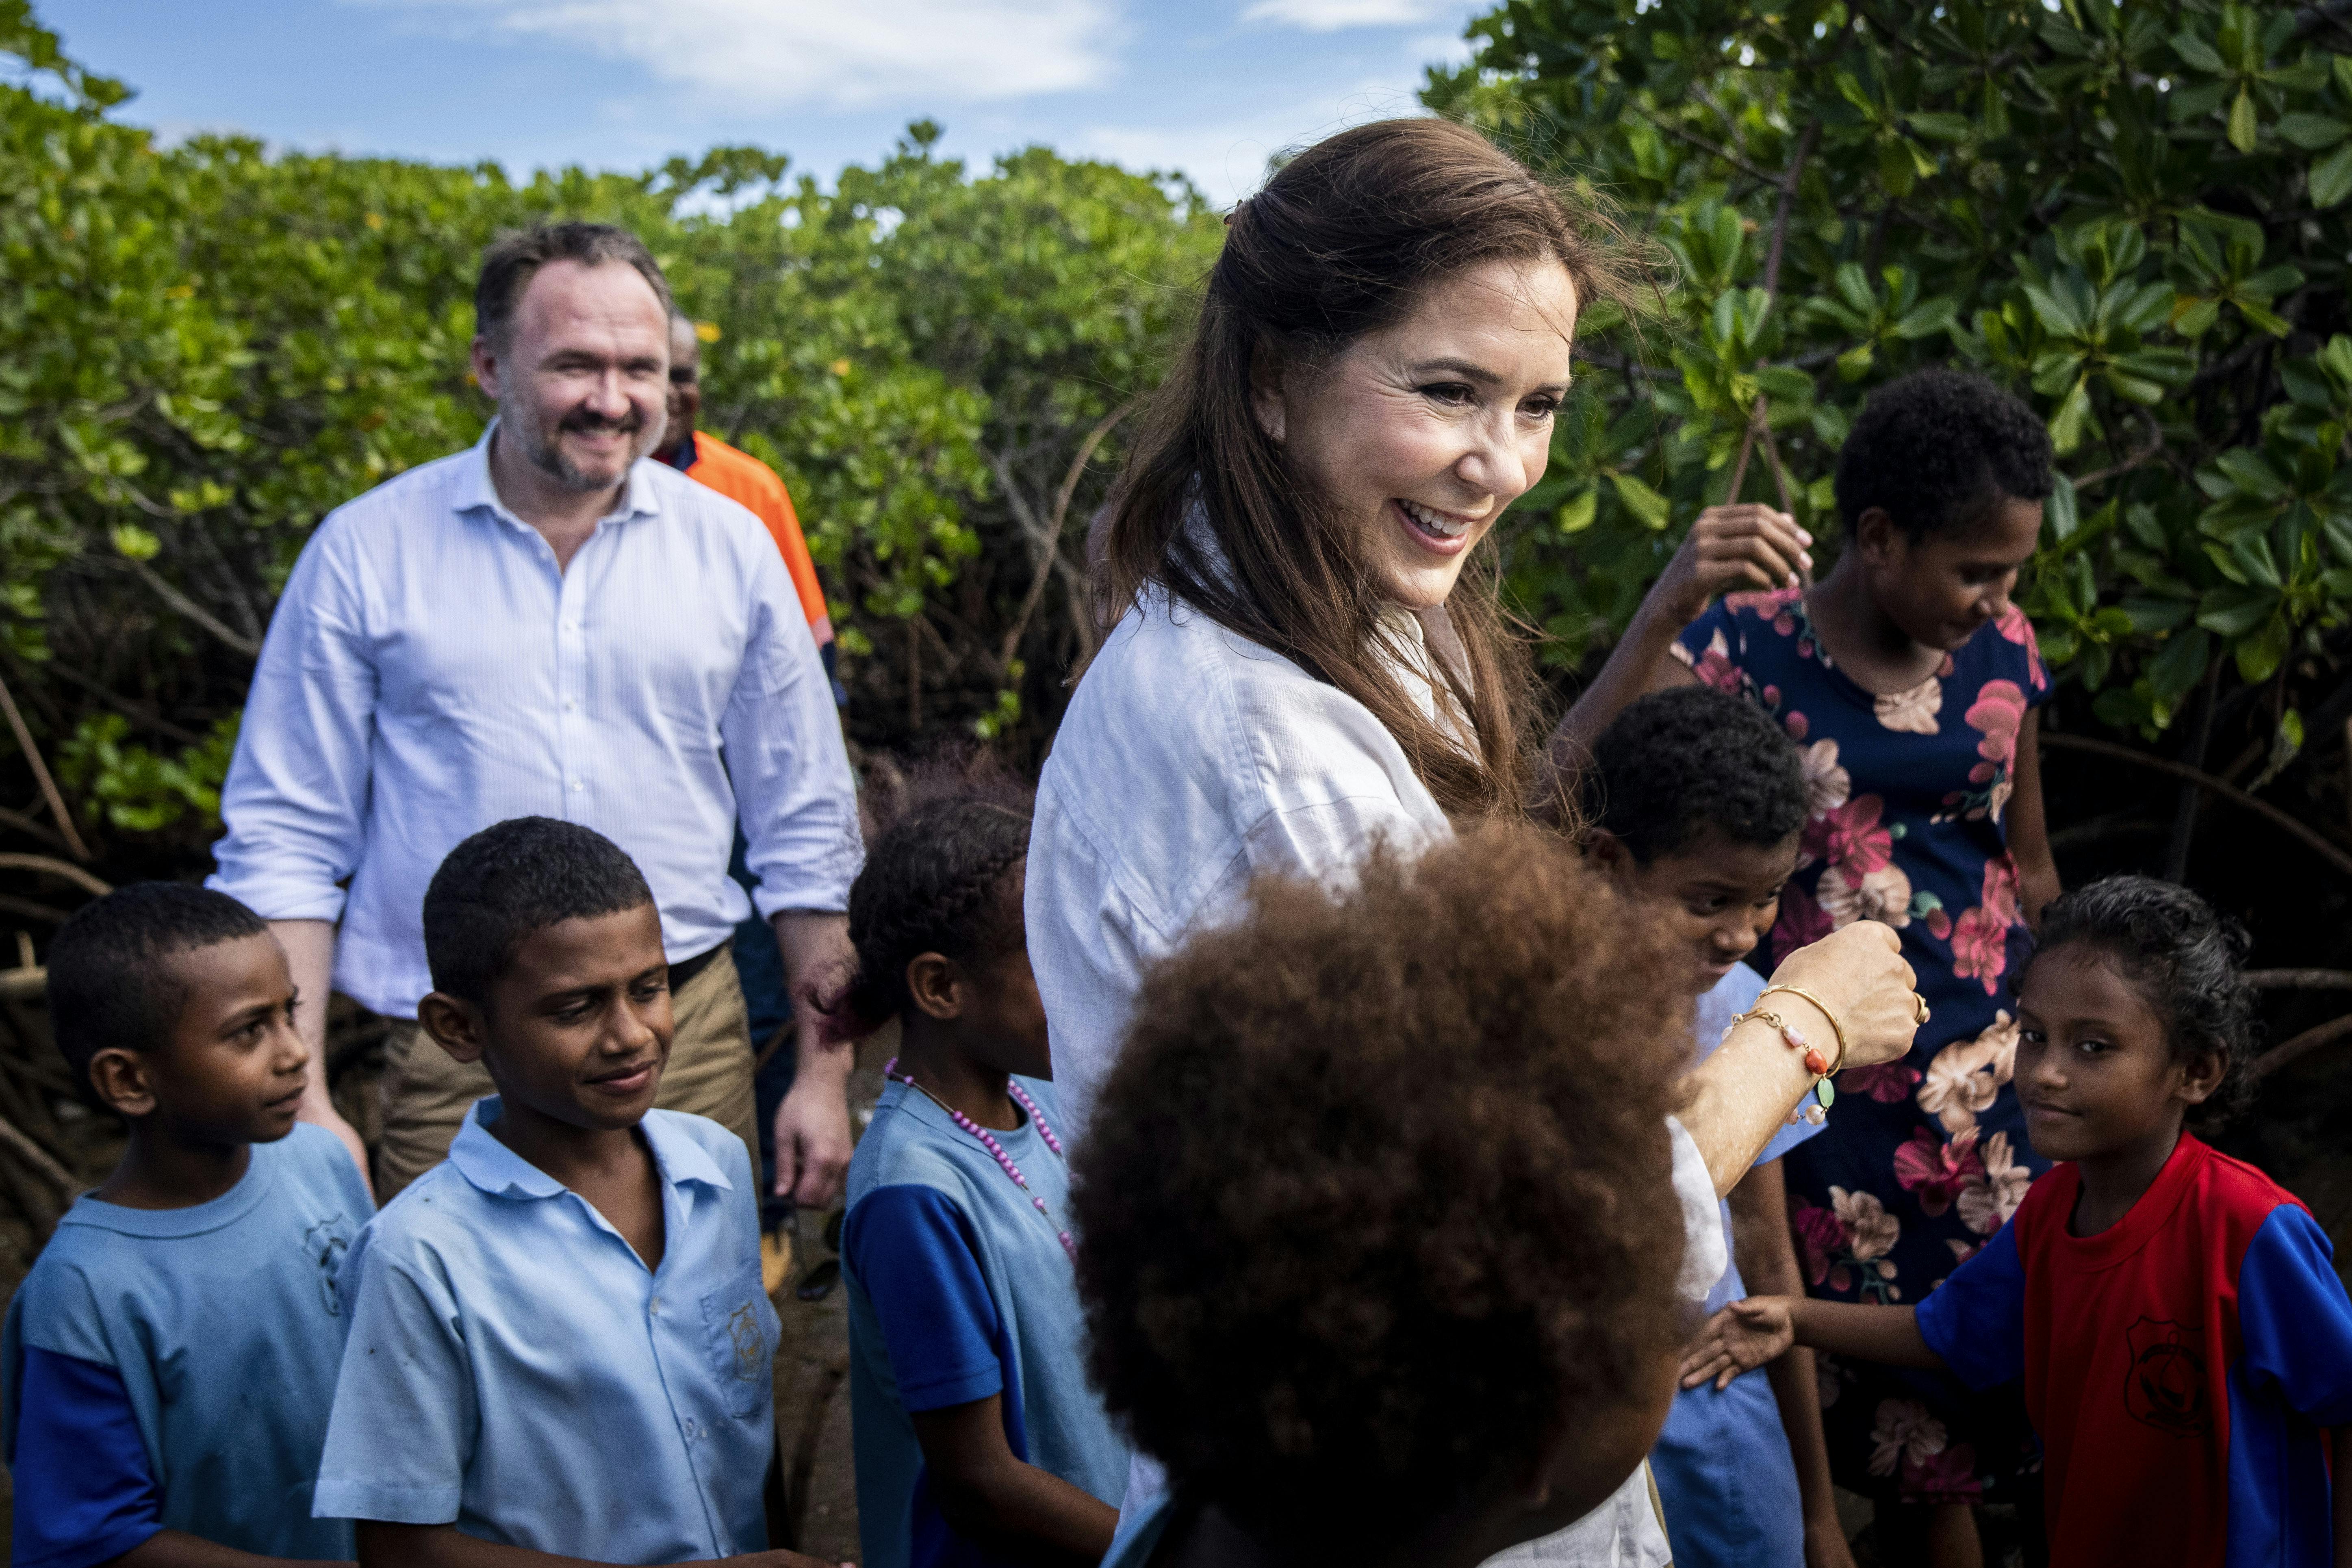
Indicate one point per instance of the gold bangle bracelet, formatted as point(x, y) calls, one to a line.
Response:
point(1835, 1028)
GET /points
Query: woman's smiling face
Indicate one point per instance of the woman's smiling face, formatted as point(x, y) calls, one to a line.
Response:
point(1421, 432)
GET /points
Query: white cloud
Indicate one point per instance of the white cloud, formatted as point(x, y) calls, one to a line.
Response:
point(782, 54)
point(1332, 16)
point(1226, 156)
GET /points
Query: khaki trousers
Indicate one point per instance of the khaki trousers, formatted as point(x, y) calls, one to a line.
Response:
point(427, 1092)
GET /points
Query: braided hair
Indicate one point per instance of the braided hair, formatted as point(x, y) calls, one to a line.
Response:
point(946, 879)
point(2184, 956)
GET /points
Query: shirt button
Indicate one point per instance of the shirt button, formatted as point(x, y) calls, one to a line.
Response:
point(570, 705)
point(577, 786)
point(572, 625)
point(657, 1307)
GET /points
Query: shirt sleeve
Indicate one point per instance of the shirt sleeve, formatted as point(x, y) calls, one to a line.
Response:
point(911, 1250)
point(784, 752)
point(2293, 1318)
point(402, 1432)
point(84, 1492)
point(1705, 1256)
point(295, 801)
point(1976, 1318)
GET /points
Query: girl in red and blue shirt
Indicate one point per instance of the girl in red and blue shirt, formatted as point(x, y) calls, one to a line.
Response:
point(2184, 1343)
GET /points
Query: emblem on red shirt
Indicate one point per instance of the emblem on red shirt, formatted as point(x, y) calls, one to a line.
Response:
point(2166, 1385)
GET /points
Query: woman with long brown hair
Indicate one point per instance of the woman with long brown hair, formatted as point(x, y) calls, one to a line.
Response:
point(1299, 668)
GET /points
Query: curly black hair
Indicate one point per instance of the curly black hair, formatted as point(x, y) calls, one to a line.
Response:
point(1677, 761)
point(2186, 959)
point(1377, 1201)
point(944, 877)
point(513, 879)
point(1939, 450)
point(109, 987)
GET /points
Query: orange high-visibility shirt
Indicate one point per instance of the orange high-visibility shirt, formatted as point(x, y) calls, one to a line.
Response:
point(741, 477)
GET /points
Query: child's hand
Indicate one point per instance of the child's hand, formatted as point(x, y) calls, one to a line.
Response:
point(1728, 549)
point(1740, 1338)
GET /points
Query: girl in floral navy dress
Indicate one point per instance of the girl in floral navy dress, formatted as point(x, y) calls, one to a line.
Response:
point(1911, 682)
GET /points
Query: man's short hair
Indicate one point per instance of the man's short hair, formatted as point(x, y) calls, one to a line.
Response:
point(1368, 1213)
point(514, 878)
point(513, 260)
point(109, 987)
point(1676, 762)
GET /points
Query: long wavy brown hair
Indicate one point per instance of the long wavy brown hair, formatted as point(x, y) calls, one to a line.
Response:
point(1342, 241)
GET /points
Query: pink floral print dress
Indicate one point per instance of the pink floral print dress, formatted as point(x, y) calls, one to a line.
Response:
point(1922, 1159)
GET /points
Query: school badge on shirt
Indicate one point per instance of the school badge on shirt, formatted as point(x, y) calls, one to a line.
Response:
point(2164, 1387)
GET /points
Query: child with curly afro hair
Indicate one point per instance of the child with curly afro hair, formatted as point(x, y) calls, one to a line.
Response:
point(1379, 1241)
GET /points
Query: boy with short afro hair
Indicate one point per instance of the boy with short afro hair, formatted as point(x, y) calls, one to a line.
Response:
point(170, 1359)
point(561, 1347)
point(1694, 803)
point(1379, 1241)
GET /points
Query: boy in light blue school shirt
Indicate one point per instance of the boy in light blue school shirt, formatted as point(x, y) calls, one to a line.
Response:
point(960, 1290)
point(1697, 802)
point(1725, 1472)
point(560, 1341)
point(170, 1361)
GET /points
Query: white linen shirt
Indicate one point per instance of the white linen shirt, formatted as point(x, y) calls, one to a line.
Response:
point(514, 1369)
point(1191, 760)
point(430, 671)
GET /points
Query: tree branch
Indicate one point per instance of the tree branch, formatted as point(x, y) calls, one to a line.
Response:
point(1712, 149)
point(2299, 979)
point(41, 775)
point(2301, 1046)
point(60, 869)
point(1780, 214)
point(2207, 782)
point(193, 611)
point(1045, 571)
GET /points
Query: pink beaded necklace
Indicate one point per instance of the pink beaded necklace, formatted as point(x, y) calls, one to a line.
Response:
point(988, 1141)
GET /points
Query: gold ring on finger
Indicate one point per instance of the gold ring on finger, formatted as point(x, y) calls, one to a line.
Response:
point(1919, 1008)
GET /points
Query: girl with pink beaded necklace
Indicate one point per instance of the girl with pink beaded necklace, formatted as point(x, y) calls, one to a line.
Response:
point(967, 1375)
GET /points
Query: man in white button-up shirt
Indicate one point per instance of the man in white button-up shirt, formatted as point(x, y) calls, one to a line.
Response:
point(549, 625)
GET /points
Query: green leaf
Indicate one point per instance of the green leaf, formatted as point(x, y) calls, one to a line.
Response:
point(2233, 610)
point(1933, 316)
point(2312, 132)
point(2243, 124)
point(2192, 317)
point(1645, 503)
point(1576, 513)
point(134, 543)
point(1939, 127)
point(2179, 665)
point(2259, 656)
point(2066, 425)
point(2331, 178)
point(2197, 54)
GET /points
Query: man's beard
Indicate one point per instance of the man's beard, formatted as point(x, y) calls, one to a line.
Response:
point(545, 451)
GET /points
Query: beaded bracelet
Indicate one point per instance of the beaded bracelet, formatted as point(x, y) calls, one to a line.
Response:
point(1823, 1096)
point(1835, 1028)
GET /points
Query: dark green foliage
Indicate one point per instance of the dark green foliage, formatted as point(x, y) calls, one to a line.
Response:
point(2135, 215)
point(205, 348)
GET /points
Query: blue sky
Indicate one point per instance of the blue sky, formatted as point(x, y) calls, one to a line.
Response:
point(1211, 88)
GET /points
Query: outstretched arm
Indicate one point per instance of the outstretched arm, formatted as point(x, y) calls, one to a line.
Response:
point(1727, 549)
point(1767, 1261)
point(1746, 1335)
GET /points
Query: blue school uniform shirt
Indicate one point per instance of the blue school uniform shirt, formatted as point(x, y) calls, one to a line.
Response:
point(960, 1288)
point(1726, 1481)
point(514, 1369)
point(171, 1368)
point(2181, 1365)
